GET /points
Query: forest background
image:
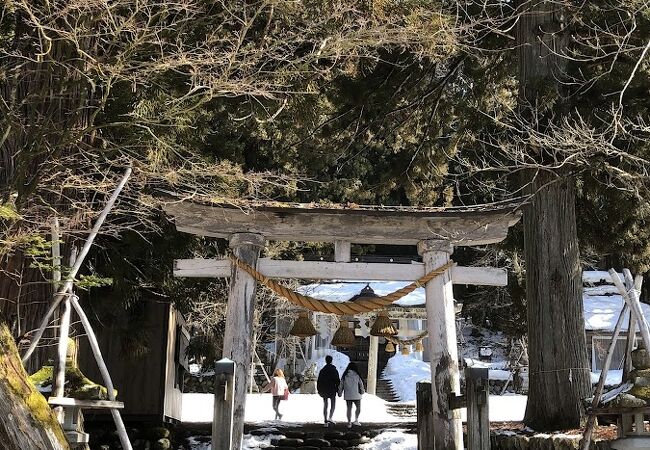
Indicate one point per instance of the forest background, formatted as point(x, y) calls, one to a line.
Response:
point(420, 103)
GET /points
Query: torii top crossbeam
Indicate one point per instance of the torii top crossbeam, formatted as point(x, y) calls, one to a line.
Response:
point(460, 226)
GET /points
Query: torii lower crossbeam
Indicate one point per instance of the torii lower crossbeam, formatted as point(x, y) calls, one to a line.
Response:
point(349, 271)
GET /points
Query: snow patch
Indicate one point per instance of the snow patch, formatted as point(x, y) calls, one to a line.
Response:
point(339, 360)
point(614, 377)
point(403, 372)
point(256, 442)
point(392, 440)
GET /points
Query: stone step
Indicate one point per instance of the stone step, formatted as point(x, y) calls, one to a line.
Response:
point(309, 440)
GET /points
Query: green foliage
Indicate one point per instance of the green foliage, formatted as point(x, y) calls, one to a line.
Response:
point(85, 282)
point(8, 213)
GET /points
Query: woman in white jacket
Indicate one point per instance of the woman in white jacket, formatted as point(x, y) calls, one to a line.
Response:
point(352, 389)
point(279, 391)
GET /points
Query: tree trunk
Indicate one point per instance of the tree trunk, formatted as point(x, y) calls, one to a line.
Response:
point(559, 374)
point(26, 419)
point(25, 295)
point(559, 377)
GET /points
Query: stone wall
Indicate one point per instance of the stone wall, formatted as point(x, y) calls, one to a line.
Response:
point(512, 441)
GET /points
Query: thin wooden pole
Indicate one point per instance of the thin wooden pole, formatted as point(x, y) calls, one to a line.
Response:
point(630, 342)
point(94, 345)
point(59, 382)
point(62, 348)
point(67, 286)
point(591, 420)
point(373, 352)
point(259, 361)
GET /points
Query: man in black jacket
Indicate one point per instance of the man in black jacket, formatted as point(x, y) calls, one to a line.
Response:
point(327, 386)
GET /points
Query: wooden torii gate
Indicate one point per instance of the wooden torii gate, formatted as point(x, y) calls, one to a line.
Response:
point(435, 231)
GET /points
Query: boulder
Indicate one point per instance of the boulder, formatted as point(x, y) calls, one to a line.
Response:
point(626, 400)
point(163, 444)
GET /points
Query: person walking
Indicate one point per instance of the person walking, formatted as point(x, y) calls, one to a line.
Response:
point(352, 389)
point(327, 386)
point(279, 391)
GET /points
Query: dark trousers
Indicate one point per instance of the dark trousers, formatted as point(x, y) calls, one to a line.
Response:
point(276, 405)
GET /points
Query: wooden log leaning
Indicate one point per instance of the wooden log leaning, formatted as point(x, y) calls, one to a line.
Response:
point(632, 299)
point(94, 345)
point(631, 330)
point(67, 286)
point(591, 420)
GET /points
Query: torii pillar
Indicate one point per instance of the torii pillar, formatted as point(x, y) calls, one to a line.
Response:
point(238, 336)
point(443, 348)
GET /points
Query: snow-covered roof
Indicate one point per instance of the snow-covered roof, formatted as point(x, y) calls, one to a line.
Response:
point(602, 311)
point(341, 292)
point(601, 304)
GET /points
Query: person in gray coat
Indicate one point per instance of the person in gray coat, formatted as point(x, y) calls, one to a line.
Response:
point(352, 389)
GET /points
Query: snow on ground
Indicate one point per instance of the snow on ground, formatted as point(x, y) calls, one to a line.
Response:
point(597, 276)
point(307, 408)
point(254, 442)
point(505, 408)
point(497, 370)
point(614, 377)
point(403, 372)
point(203, 444)
point(300, 408)
point(392, 440)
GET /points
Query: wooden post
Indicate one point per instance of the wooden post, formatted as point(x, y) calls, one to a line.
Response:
point(342, 251)
point(238, 336)
point(478, 416)
point(424, 402)
point(372, 365)
point(443, 349)
point(224, 405)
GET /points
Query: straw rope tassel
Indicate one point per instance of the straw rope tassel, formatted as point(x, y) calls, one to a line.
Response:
point(360, 306)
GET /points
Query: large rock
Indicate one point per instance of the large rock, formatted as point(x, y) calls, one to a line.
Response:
point(640, 357)
point(628, 401)
point(163, 444)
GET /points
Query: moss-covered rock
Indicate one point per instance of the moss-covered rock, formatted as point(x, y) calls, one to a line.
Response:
point(628, 401)
point(157, 433)
point(162, 444)
point(76, 383)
